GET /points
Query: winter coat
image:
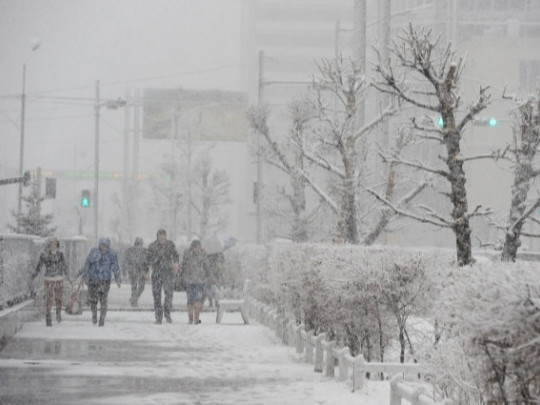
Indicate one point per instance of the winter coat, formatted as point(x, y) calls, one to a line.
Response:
point(135, 260)
point(100, 266)
point(162, 256)
point(216, 265)
point(55, 265)
point(194, 267)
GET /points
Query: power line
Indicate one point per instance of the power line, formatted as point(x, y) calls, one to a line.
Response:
point(139, 80)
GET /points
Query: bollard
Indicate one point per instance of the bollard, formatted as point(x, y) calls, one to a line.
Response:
point(318, 362)
point(358, 372)
point(284, 321)
point(343, 366)
point(395, 399)
point(290, 332)
point(415, 400)
point(309, 347)
point(330, 359)
point(298, 338)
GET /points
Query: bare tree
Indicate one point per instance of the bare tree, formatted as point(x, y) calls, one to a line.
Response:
point(419, 56)
point(526, 140)
point(285, 154)
point(340, 88)
point(210, 195)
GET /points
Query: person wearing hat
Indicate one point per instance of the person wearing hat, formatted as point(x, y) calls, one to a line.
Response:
point(55, 271)
point(97, 272)
point(163, 257)
point(137, 267)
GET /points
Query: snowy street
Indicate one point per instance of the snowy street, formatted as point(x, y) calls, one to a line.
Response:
point(133, 361)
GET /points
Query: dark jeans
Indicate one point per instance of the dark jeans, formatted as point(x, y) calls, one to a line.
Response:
point(98, 291)
point(137, 282)
point(163, 279)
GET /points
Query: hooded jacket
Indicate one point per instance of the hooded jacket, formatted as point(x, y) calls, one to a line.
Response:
point(100, 266)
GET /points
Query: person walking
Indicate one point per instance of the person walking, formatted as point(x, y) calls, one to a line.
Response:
point(55, 271)
point(163, 257)
point(216, 265)
point(137, 268)
point(98, 270)
point(194, 277)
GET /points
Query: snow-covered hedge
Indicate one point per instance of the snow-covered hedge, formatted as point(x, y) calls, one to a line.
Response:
point(362, 297)
point(490, 348)
point(487, 316)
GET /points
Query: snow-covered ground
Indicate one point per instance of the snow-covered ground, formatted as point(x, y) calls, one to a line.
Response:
point(133, 361)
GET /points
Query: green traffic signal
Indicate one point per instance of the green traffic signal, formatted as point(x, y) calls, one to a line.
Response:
point(85, 198)
point(441, 122)
point(492, 122)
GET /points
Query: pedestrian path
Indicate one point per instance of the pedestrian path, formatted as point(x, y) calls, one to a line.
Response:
point(133, 361)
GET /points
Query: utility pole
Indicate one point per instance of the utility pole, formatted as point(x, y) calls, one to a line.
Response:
point(134, 181)
point(188, 176)
point(384, 21)
point(359, 40)
point(126, 217)
point(96, 162)
point(258, 187)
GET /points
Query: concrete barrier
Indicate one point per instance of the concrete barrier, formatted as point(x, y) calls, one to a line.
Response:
point(13, 318)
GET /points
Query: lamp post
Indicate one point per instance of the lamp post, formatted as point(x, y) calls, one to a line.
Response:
point(34, 45)
point(110, 104)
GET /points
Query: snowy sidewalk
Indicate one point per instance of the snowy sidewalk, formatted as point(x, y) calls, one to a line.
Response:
point(133, 361)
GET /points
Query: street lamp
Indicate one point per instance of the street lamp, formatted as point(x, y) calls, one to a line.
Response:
point(110, 104)
point(34, 45)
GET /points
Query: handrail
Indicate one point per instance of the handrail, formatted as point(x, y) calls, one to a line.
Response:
point(323, 354)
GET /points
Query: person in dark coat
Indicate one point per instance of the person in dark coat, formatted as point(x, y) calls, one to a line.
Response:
point(137, 268)
point(55, 271)
point(194, 277)
point(163, 257)
point(98, 270)
point(216, 264)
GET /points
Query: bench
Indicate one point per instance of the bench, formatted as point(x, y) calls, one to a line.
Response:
point(234, 304)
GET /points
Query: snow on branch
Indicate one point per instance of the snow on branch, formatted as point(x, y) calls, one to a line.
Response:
point(442, 224)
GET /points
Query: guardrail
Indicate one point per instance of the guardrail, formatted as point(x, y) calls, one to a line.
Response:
point(325, 355)
point(19, 255)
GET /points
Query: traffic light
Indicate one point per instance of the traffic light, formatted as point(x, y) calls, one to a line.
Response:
point(440, 122)
point(85, 198)
point(26, 178)
point(486, 122)
point(50, 187)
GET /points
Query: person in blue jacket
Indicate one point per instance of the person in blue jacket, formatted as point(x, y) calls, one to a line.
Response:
point(101, 264)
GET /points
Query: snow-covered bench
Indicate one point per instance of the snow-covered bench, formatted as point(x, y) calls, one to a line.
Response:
point(234, 304)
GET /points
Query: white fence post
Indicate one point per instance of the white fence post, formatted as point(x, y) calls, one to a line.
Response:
point(290, 332)
point(395, 398)
point(318, 362)
point(330, 360)
point(309, 347)
point(358, 372)
point(298, 339)
point(343, 366)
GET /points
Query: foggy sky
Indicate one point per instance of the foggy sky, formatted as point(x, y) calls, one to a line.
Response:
point(122, 43)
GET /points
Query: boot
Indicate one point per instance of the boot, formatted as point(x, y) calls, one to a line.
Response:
point(101, 321)
point(48, 320)
point(197, 306)
point(58, 316)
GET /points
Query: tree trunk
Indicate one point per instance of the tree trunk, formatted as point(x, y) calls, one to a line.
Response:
point(522, 182)
point(401, 344)
point(458, 193)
